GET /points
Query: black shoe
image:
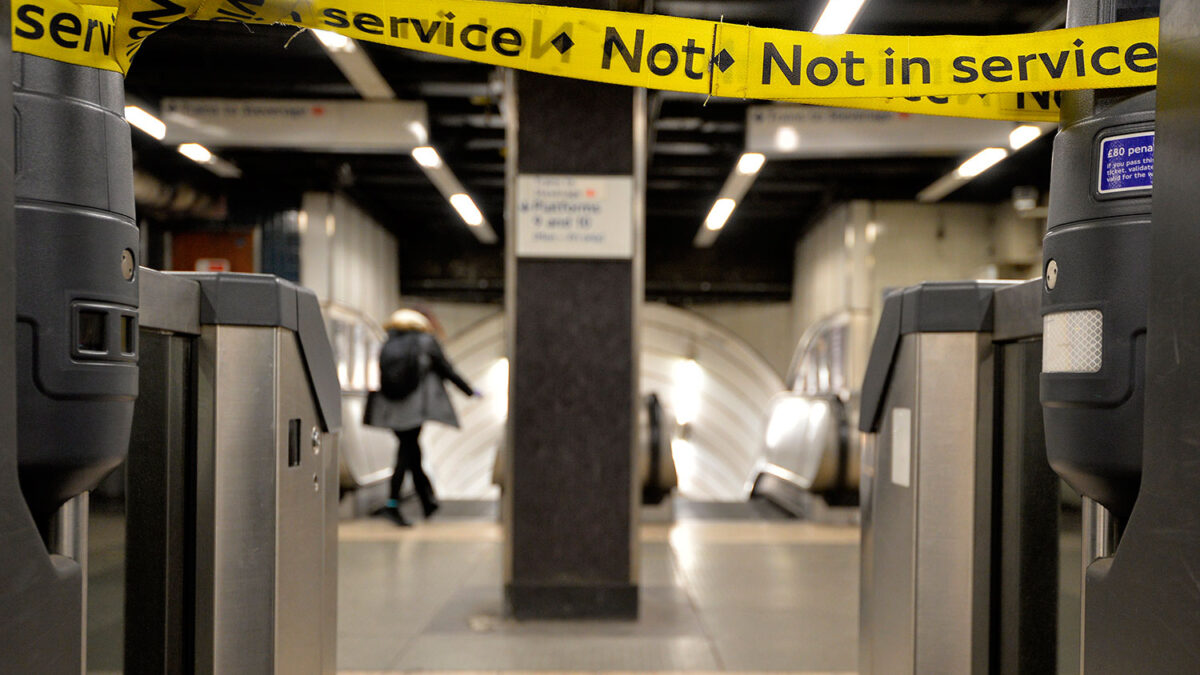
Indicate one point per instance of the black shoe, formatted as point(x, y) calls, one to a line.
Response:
point(429, 509)
point(397, 517)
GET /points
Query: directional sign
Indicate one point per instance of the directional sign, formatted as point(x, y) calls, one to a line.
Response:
point(574, 216)
point(810, 131)
point(310, 124)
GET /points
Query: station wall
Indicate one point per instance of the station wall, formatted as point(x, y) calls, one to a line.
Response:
point(346, 256)
point(861, 248)
point(765, 326)
point(454, 317)
point(706, 377)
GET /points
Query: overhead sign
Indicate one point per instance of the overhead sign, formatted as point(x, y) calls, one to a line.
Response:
point(574, 216)
point(213, 265)
point(812, 131)
point(310, 124)
point(656, 52)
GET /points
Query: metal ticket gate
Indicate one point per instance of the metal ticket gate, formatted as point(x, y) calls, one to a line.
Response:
point(959, 505)
point(67, 201)
point(232, 465)
point(233, 480)
point(231, 506)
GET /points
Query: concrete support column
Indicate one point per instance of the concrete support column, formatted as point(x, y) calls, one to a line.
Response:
point(574, 288)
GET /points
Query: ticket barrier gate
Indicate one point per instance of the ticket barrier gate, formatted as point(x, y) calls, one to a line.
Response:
point(228, 384)
point(959, 504)
point(231, 500)
point(232, 480)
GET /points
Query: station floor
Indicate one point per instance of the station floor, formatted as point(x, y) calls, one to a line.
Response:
point(724, 588)
point(716, 595)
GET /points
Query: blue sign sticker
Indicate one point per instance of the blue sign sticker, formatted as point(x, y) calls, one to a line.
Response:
point(1127, 162)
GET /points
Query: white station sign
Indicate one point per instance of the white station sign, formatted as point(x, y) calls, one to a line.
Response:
point(574, 216)
point(811, 131)
point(309, 124)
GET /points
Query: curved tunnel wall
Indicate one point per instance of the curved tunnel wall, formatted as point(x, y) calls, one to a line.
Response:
point(705, 375)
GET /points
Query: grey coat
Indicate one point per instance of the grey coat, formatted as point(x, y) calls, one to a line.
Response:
point(429, 401)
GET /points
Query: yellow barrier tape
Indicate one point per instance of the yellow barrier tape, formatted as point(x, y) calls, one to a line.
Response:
point(1022, 107)
point(987, 77)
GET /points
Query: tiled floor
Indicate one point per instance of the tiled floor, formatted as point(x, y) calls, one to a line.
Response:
point(725, 588)
point(716, 595)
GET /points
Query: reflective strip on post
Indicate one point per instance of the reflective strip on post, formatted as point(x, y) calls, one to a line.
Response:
point(1073, 342)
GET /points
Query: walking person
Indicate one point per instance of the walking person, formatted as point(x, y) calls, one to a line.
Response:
point(412, 372)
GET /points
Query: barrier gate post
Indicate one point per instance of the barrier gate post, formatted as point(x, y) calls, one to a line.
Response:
point(1142, 612)
point(233, 474)
point(959, 506)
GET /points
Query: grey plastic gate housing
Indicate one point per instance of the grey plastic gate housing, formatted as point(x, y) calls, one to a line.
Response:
point(76, 274)
point(1098, 246)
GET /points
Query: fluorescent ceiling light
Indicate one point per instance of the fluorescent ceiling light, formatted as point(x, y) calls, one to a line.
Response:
point(787, 139)
point(1023, 136)
point(335, 42)
point(980, 162)
point(196, 152)
point(467, 209)
point(688, 382)
point(837, 17)
point(427, 157)
point(751, 162)
point(146, 122)
point(419, 131)
point(720, 213)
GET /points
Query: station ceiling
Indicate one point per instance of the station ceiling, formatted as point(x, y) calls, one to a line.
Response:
point(693, 147)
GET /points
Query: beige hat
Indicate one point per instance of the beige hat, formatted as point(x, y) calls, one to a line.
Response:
point(408, 319)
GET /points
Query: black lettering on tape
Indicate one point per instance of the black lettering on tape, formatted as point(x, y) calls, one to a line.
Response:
point(468, 31)
point(1055, 69)
point(242, 9)
point(1040, 98)
point(672, 59)
point(425, 34)
point(1100, 67)
point(906, 65)
point(830, 75)
point(507, 41)
point(335, 18)
point(105, 36)
point(65, 25)
point(965, 65)
point(399, 27)
point(153, 19)
point(368, 23)
point(1023, 65)
point(1141, 51)
point(613, 40)
point(27, 14)
point(559, 40)
point(850, 60)
point(690, 51)
point(996, 69)
point(771, 55)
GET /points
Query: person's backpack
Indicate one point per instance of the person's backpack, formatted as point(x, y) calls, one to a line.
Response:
point(400, 372)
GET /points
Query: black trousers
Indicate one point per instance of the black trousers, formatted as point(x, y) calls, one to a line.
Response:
point(408, 459)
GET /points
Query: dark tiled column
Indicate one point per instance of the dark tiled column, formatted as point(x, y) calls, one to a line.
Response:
point(570, 517)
